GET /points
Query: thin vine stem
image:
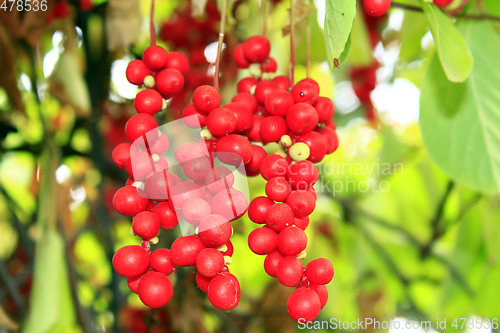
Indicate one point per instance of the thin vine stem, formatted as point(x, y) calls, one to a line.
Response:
point(462, 16)
point(219, 44)
point(308, 46)
point(152, 23)
point(265, 8)
point(292, 52)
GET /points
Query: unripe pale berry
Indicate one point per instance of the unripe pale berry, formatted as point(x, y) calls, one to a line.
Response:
point(299, 151)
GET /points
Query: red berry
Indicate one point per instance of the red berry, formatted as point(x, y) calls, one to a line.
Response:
point(202, 282)
point(155, 289)
point(224, 291)
point(313, 83)
point(302, 222)
point(130, 261)
point(376, 7)
point(278, 189)
point(322, 293)
point(146, 225)
point(148, 101)
point(320, 271)
point(141, 125)
point(279, 216)
point(272, 129)
point(221, 121)
point(155, 57)
point(197, 168)
point(253, 167)
point(245, 85)
point(247, 99)
point(263, 90)
point(177, 61)
point(269, 66)
point(160, 146)
point(215, 230)
point(243, 114)
point(190, 150)
point(133, 283)
point(230, 249)
point(325, 109)
point(303, 304)
point(301, 202)
point(302, 118)
point(195, 209)
point(442, 3)
point(239, 57)
point(253, 133)
point(283, 82)
point(169, 82)
point(185, 249)
point(234, 149)
point(317, 145)
point(262, 241)
point(271, 263)
point(121, 154)
point(291, 241)
point(273, 166)
point(304, 93)
point(158, 184)
point(256, 49)
point(258, 209)
point(302, 175)
point(279, 102)
point(214, 180)
point(231, 204)
point(206, 98)
point(332, 140)
point(193, 118)
point(139, 166)
point(162, 262)
point(289, 271)
point(209, 262)
point(130, 201)
point(136, 72)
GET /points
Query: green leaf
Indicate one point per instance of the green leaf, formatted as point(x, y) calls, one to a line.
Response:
point(460, 123)
point(339, 19)
point(361, 49)
point(452, 49)
point(413, 29)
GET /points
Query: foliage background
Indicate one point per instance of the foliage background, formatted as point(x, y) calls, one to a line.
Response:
point(426, 248)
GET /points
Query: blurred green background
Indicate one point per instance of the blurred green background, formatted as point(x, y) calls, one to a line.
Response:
point(408, 213)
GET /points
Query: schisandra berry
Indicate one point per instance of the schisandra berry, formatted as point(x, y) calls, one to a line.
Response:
point(136, 72)
point(130, 201)
point(269, 66)
point(221, 121)
point(243, 114)
point(247, 99)
point(197, 168)
point(140, 166)
point(162, 262)
point(320, 271)
point(256, 49)
point(289, 271)
point(202, 282)
point(302, 222)
point(209, 262)
point(253, 133)
point(229, 251)
point(272, 129)
point(325, 109)
point(302, 175)
point(195, 209)
point(302, 118)
point(442, 3)
point(279, 102)
point(257, 210)
point(130, 261)
point(253, 167)
point(169, 82)
point(142, 125)
point(224, 291)
point(245, 85)
point(190, 150)
point(303, 304)
point(239, 57)
point(299, 151)
point(291, 241)
point(301, 202)
point(231, 204)
point(278, 189)
point(263, 90)
point(121, 154)
point(304, 92)
point(234, 149)
point(271, 262)
point(146, 225)
point(155, 57)
point(322, 293)
point(200, 120)
point(215, 230)
point(157, 186)
point(177, 61)
point(185, 249)
point(279, 216)
point(182, 192)
point(155, 289)
point(133, 283)
point(160, 146)
point(313, 83)
point(317, 145)
point(282, 82)
point(262, 241)
point(206, 98)
point(332, 140)
point(148, 101)
point(218, 179)
point(376, 7)
point(273, 166)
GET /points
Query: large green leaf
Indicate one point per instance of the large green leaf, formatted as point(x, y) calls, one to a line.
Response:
point(339, 19)
point(452, 49)
point(460, 123)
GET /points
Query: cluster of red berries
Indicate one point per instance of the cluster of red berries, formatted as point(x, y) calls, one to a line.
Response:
point(380, 7)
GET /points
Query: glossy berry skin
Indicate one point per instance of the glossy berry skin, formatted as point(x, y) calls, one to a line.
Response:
point(121, 154)
point(146, 225)
point(302, 175)
point(325, 109)
point(303, 304)
point(273, 166)
point(160, 146)
point(162, 262)
point(304, 92)
point(320, 271)
point(133, 283)
point(198, 121)
point(278, 189)
point(279, 102)
point(136, 72)
point(253, 167)
point(272, 129)
point(230, 249)
point(442, 3)
point(301, 223)
point(263, 90)
point(376, 7)
point(243, 114)
point(239, 57)
point(258, 208)
point(247, 99)
point(301, 202)
point(302, 118)
point(190, 150)
point(234, 149)
point(206, 98)
point(139, 125)
point(148, 101)
point(155, 57)
point(215, 230)
point(291, 241)
point(140, 166)
point(256, 49)
point(185, 249)
point(289, 271)
point(195, 209)
point(221, 121)
point(279, 216)
point(217, 179)
point(282, 82)
point(311, 82)
point(130, 261)
point(271, 263)
point(197, 168)
point(322, 293)
point(182, 192)
point(155, 289)
point(317, 145)
point(158, 184)
point(130, 201)
point(245, 85)
point(269, 66)
point(253, 133)
point(209, 262)
point(202, 282)
point(231, 204)
point(332, 140)
point(169, 82)
point(177, 61)
point(224, 291)
point(262, 241)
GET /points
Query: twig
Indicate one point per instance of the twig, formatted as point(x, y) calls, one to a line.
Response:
point(462, 16)
point(152, 23)
point(292, 52)
point(455, 274)
point(265, 7)
point(219, 44)
point(308, 45)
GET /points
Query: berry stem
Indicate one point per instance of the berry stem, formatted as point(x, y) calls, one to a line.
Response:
point(308, 46)
point(265, 7)
point(219, 44)
point(152, 23)
point(292, 53)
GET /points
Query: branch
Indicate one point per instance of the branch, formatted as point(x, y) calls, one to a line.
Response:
point(462, 16)
point(456, 275)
